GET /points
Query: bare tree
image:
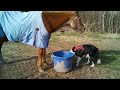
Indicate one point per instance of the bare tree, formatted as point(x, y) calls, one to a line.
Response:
point(101, 21)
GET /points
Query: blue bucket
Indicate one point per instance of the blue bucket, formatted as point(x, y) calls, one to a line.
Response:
point(63, 61)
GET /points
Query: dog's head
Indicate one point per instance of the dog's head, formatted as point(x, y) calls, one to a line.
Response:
point(78, 50)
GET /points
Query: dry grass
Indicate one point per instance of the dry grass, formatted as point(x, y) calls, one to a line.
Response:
point(21, 59)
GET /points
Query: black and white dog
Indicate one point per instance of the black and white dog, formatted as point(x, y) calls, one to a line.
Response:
point(89, 51)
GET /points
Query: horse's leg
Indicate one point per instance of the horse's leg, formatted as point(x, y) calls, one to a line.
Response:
point(2, 40)
point(1, 59)
point(41, 58)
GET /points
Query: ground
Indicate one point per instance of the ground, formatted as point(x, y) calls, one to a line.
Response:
point(21, 59)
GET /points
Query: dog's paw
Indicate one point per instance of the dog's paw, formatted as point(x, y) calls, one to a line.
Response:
point(92, 66)
point(77, 65)
point(98, 61)
point(87, 63)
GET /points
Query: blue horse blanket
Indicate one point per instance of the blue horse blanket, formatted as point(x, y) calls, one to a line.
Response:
point(24, 27)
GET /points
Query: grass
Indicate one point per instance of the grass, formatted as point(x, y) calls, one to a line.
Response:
point(109, 46)
point(21, 58)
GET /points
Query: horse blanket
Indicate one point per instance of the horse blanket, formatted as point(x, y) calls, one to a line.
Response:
point(24, 27)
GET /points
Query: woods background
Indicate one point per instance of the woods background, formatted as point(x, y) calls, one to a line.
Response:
point(101, 21)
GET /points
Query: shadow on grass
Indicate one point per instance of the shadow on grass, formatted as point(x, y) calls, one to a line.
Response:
point(109, 56)
point(17, 59)
point(106, 56)
point(29, 58)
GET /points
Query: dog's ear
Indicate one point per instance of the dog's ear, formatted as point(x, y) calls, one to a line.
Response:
point(79, 52)
point(73, 49)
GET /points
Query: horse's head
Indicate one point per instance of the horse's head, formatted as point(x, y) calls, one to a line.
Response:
point(75, 23)
point(56, 19)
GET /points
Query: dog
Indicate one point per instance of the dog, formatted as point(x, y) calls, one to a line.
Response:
point(89, 51)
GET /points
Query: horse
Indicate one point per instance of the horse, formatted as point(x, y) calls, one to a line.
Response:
point(52, 21)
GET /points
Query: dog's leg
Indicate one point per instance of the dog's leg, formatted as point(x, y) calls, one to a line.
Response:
point(88, 61)
point(41, 59)
point(87, 56)
point(92, 64)
point(78, 61)
point(98, 61)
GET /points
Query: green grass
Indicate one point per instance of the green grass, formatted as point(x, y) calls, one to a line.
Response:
point(108, 44)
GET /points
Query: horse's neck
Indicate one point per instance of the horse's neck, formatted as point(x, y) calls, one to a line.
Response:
point(53, 20)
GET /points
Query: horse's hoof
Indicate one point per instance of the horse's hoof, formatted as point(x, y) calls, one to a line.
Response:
point(41, 70)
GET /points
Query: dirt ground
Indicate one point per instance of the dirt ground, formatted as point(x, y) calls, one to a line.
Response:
point(21, 60)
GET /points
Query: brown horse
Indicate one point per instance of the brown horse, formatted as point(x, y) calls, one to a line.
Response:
point(53, 20)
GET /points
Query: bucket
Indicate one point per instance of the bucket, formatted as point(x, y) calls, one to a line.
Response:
point(63, 61)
